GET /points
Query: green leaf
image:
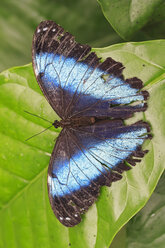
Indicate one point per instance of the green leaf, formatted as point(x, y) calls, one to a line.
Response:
point(26, 216)
point(136, 19)
point(83, 19)
point(146, 229)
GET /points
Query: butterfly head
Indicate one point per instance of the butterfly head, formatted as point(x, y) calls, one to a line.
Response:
point(56, 124)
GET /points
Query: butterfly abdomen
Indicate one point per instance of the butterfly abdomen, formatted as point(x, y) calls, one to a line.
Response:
point(83, 121)
point(75, 122)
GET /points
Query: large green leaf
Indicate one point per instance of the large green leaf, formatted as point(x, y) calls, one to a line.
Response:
point(146, 229)
point(83, 19)
point(26, 216)
point(136, 19)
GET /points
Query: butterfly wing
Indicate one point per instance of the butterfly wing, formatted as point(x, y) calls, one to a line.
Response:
point(86, 158)
point(76, 82)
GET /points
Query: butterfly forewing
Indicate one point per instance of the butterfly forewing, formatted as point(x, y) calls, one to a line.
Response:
point(76, 82)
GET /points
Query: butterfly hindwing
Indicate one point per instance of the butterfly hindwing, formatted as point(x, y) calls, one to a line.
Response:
point(76, 82)
point(84, 159)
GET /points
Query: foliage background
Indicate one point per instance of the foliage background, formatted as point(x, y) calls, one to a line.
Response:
point(86, 21)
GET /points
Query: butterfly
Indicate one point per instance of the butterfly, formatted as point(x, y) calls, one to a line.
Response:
point(93, 99)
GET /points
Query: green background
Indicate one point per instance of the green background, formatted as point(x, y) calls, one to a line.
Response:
point(26, 217)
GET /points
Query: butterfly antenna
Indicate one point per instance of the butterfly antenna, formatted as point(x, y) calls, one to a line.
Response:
point(37, 116)
point(39, 132)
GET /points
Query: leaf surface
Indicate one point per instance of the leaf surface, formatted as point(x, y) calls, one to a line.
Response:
point(136, 19)
point(25, 212)
point(146, 229)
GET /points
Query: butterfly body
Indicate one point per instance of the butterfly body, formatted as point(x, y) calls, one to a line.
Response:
point(75, 122)
point(93, 99)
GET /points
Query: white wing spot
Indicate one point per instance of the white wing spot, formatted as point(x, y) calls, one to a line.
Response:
point(44, 29)
point(53, 30)
point(39, 30)
point(67, 218)
point(61, 218)
point(76, 215)
point(49, 180)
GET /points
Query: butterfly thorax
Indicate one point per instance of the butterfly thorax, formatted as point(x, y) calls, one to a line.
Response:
point(75, 122)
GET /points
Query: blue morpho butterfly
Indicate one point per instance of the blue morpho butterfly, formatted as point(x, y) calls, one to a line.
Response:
point(92, 99)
